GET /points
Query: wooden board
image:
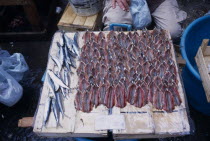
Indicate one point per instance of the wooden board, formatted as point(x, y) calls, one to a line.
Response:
point(143, 122)
point(202, 59)
point(70, 21)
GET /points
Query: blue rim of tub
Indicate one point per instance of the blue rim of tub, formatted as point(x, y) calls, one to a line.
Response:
point(182, 45)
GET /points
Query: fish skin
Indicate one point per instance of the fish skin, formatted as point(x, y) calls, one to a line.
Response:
point(75, 39)
point(61, 55)
point(68, 41)
point(55, 84)
point(63, 92)
point(67, 59)
point(60, 105)
point(47, 110)
point(55, 111)
point(72, 54)
point(70, 44)
point(50, 84)
point(56, 79)
point(76, 50)
point(66, 76)
point(73, 62)
point(57, 62)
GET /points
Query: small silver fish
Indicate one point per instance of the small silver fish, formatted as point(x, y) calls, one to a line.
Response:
point(68, 41)
point(63, 92)
point(61, 55)
point(66, 80)
point(60, 104)
point(50, 84)
point(56, 85)
point(57, 62)
point(56, 79)
point(47, 110)
point(71, 45)
point(55, 111)
point(75, 39)
point(76, 50)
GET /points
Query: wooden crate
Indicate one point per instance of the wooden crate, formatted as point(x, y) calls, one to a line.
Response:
point(144, 122)
point(70, 21)
point(202, 59)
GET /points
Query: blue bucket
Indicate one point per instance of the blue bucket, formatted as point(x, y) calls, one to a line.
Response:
point(190, 42)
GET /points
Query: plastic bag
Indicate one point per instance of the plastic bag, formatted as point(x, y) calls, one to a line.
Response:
point(10, 89)
point(140, 14)
point(15, 65)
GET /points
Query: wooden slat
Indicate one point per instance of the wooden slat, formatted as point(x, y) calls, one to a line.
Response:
point(203, 68)
point(68, 16)
point(79, 21)
point(72, 22)
point(26, 122)
point(90, 21)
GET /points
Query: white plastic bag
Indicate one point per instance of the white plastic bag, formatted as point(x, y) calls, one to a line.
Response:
point(15, 65)
point(140, 14)
point(10, 89)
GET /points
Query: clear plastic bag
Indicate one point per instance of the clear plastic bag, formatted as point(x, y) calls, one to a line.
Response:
point(15, 65)
point(140, 14)
point(10, 90)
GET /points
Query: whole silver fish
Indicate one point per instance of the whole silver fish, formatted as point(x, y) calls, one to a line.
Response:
point(56, 79)
point(57, 62)
point(63, 92)
point(55, 111)
point(47, 110)
point(76, 50)
point(56, 85)
point(67, 55)
point(61, 54)
point(60, 104)
point(50, 84)
point(71, 45)
point(68, 41)
point(73, 62)
point(75, 39)
point(66, 80)
point(61, 41)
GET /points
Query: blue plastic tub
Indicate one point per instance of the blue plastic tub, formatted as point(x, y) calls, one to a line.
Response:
point(190, 42)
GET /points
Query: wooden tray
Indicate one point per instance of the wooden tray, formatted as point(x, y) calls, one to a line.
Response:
point(143, 122)
point(70, 21)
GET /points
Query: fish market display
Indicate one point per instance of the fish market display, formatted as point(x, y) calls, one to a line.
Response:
point(58, 79)
point(127, 68)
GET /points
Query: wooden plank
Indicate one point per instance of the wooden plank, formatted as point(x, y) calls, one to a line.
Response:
point(71, 22)
point(79, 21)
point(68, 16)
point(203, 68)
point(26, 122)
point(90, 21)
point(207, 51)
point(204, 45)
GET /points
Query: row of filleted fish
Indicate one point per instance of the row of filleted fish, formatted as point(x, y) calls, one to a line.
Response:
point(58, 79)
